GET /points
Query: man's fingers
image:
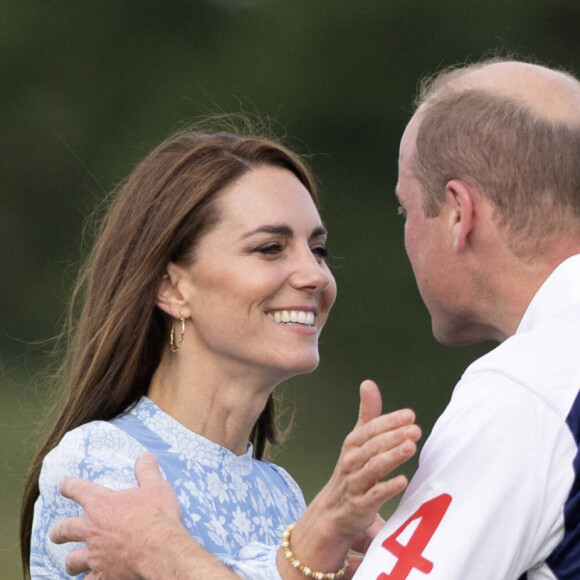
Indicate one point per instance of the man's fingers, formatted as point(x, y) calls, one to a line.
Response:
point(147, 470)
point(371, 404)
point(77, 561)
point(79, 489)
point(69, 530)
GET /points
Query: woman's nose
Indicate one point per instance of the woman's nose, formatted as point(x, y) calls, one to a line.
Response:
point(310, 273)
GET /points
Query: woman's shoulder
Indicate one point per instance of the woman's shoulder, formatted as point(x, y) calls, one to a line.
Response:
point(98, 451)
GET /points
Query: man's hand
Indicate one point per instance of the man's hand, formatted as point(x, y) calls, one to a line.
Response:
point(121, 528)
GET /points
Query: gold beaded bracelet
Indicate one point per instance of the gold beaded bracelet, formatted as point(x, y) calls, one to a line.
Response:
point(305, 570)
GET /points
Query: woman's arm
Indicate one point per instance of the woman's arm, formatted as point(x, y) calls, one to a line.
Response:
point(137, 533)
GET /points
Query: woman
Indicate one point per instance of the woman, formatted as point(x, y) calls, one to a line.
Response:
point(206, 288)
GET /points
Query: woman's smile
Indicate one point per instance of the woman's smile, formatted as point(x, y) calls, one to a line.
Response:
point(264, 258)
point(286, 316)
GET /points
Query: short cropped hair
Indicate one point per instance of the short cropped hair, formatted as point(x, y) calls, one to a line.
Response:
point(528, 166)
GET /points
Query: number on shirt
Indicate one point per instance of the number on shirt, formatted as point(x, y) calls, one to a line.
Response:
point(410, 556)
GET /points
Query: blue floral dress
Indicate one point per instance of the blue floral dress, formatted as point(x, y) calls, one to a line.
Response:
point(235, 506)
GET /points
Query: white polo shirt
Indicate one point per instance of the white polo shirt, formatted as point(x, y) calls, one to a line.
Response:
point(497, 492)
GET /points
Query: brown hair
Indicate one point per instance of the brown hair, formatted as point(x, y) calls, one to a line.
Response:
point(158, 216)
point(526, 164)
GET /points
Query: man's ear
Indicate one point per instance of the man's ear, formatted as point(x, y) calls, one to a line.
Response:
point(170, 292)
point(459, 203)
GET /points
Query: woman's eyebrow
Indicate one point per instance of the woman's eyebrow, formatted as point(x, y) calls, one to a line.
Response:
point(283, 230)
point(279, 229)
point(319, 231)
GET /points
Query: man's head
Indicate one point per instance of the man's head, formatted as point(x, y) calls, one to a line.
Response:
point(512, 129)
point(497, 143)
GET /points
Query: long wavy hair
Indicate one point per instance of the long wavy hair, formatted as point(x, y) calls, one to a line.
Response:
point(158, 215)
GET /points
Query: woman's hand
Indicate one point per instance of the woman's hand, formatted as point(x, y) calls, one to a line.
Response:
point(372, 450)
point(349, 503)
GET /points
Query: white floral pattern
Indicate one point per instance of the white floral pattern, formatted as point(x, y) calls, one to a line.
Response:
point(235, 506)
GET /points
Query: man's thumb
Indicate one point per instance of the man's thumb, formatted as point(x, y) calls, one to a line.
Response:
point(147, 470)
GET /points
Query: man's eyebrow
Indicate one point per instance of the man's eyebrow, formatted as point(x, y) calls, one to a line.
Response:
point(283, 230)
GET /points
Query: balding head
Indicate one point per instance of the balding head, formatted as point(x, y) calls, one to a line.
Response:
point(548, 93)
point(512, 129)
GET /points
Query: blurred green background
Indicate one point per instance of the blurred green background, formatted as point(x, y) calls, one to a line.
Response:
point(87, 88)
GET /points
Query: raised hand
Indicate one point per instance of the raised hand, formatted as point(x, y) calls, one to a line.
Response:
point(349, 503)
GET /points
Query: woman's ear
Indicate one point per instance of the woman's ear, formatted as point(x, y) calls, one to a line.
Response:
point(170, 296)
point(460, 207)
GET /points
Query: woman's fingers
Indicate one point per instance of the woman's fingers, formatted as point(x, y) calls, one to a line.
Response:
point(377, 457)
point(382, 424)
point(394, 446)
point(371, 404)
point(380, 466)
point(383, 491)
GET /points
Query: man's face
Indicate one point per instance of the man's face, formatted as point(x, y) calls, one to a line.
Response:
point(429, 245)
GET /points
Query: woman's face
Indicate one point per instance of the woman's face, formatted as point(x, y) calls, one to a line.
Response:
point(259, 290)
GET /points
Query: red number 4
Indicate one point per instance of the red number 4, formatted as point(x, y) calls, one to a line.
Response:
point(410, 556)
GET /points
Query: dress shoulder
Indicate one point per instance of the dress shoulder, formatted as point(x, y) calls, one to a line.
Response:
point(97, 451)
point(294, 493)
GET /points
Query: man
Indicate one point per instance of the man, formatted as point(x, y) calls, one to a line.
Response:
point(489, 182)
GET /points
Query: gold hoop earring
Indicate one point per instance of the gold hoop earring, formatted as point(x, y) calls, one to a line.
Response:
point(172, 346)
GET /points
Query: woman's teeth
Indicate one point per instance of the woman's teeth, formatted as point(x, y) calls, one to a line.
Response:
point(293, 316)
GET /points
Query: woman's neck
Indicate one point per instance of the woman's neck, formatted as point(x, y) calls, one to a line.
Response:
point(220, 406)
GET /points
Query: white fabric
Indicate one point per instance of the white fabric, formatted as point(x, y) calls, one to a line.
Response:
point(502, 453)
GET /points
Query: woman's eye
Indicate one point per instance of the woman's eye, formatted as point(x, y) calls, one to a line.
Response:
point(320, 251)
point(269, 249)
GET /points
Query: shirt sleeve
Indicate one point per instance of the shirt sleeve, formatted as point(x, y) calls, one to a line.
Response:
point(485, 501)
point(97, 452)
